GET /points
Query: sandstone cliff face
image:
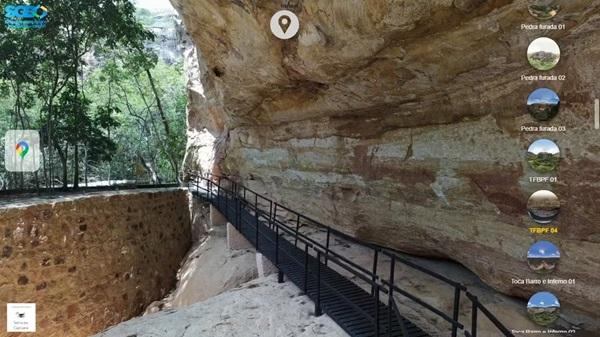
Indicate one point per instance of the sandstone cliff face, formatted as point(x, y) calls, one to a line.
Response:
point(399, 122)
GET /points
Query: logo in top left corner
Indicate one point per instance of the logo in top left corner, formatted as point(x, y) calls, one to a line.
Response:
point(22, 151)
point(25, 16)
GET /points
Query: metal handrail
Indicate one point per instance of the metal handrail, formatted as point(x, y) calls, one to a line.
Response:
point(325, 249)
point(422, 269)
point(371, 278)
point(345, 236)
point(425, 304)
point(304, 240)
point(488, 314)
point(312, 243)
point(82, 189)
point(300, 235)
point(354, 240)
point(339, 259)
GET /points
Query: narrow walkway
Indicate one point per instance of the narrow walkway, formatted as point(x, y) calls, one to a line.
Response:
point(344, 301)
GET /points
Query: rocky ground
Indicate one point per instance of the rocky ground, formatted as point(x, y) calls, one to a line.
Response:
point(209, 270)
point(260, 308)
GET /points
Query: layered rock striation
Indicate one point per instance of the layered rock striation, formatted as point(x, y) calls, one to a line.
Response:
point(400, 122)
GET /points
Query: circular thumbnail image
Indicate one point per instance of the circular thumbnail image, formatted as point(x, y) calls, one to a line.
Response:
point(543, 206)
point(542, 257)
point(543, 156)
point(543, 9)
point(543, 308)
point(543, 53)
point(543, 104)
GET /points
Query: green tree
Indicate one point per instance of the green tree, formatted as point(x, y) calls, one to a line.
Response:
point(122, 118)
point(74, 28)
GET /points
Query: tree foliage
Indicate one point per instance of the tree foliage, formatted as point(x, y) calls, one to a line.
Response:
point(119, 118)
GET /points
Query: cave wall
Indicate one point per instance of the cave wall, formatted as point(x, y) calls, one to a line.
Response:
point(91, 262)
point(399, 122)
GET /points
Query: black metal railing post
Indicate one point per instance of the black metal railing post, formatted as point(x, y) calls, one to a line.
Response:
point(219, 197)
point(277, 264)
point(277, 247)
point(226, 203)
point(374, 274)
point(327, 245)
point(238, 213)
point(455, 311)
point(376, 316)
point(274, 217)
point(209, 190)
point(270, 214)
point(474, 309)
point(306, 268)
point(243, 205)
point(391, 298)
point(256, 221)
point(297, 229)
point(318, 310)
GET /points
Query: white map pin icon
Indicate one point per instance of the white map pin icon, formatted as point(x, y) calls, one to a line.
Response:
point(285, 24)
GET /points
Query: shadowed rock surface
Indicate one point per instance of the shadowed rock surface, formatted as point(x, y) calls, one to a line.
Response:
point(210, 267)
point(399, 122)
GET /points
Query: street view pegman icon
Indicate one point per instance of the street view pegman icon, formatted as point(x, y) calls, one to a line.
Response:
point(22, 150)
point(285, 24)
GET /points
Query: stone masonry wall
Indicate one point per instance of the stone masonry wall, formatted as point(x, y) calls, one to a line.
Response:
point(89, 262)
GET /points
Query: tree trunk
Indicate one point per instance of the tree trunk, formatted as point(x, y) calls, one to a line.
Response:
point(150, 169)
point(85, 162)
point(161, 111)
point(44, 166)
point(63, 160)
point(76, 168)
point(165, 122)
